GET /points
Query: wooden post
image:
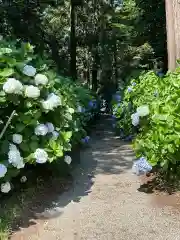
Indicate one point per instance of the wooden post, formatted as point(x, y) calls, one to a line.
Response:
point(173, 32)
point(171, 47)
point(176, 9)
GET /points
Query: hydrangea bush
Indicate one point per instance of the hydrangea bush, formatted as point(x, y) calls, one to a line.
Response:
point(47, 113)
point(150, 111)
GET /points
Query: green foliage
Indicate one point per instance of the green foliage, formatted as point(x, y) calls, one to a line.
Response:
point(51, 111)
point(158, 131)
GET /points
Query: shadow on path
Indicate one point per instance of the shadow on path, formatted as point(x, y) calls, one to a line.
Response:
point(105, 155)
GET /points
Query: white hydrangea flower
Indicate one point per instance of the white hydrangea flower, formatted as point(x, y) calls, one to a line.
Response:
point(29, 71)
point(52, 102)
point(14, 157)
point(32, 92)
point(13, 86)
point(12, 147)
point(3, 170)
point(67, 159)
point(143, 110)
point(41, 155)
point(41, 130)
point(135, 119)
point(55, 135)
point(71, 110)
point(79, 109)
point(5, 187)
point(50, 127)
point(19, 164)
point(17, 138)
point(23, 179)
point(40, 79)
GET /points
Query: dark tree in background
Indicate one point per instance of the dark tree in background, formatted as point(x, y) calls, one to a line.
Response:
point(101, 43)
point(152, 26)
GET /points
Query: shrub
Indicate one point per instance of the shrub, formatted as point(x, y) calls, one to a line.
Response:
point(47, 112)
point(150, 110)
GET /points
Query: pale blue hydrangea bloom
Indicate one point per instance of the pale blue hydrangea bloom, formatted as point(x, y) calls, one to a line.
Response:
point(129, 89)
point(141, 166)
point(133, 84)
point(85, 140)
point(117, 98)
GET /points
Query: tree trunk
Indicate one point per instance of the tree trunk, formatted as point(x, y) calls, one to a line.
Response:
point(53, 43)
point(95, 72)
point(94, 78)
point(115, 66)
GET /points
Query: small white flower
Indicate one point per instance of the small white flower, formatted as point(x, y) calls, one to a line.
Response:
point(143, 110)
point(3, 170)
point(79, 109)
point(50, 127)
point(5, 187)
point(51, 102)
point(17, 138)
point(40, 155)
point(40, 79)
point(67, 159)
point(135, 119)
point(29, 70)
point(13, 86)
point(47, 105)
point(12, 147)
point(32, 92)
point(41, 130)
point(23, 179)
point(19, 164)
point(14, 157)
point(71, 110)
point(55, 135)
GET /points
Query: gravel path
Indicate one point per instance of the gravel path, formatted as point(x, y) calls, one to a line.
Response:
point(104, 202)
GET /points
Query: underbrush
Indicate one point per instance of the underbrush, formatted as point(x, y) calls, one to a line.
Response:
point(149, 114)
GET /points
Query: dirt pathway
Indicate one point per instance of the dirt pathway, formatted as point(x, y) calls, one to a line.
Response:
point(104, 202)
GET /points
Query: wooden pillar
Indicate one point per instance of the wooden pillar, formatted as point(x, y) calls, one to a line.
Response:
point(171, 46)
point(176, 9)
point(173, 32)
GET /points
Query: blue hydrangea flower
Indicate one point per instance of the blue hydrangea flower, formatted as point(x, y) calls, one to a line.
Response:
point(94, 104)
point(128, 138)
point(85, 140)
point(160, 74)
point(117, 98)
point(90, 104)
point(133, 84)
point(141, 166)
point(129, 89)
